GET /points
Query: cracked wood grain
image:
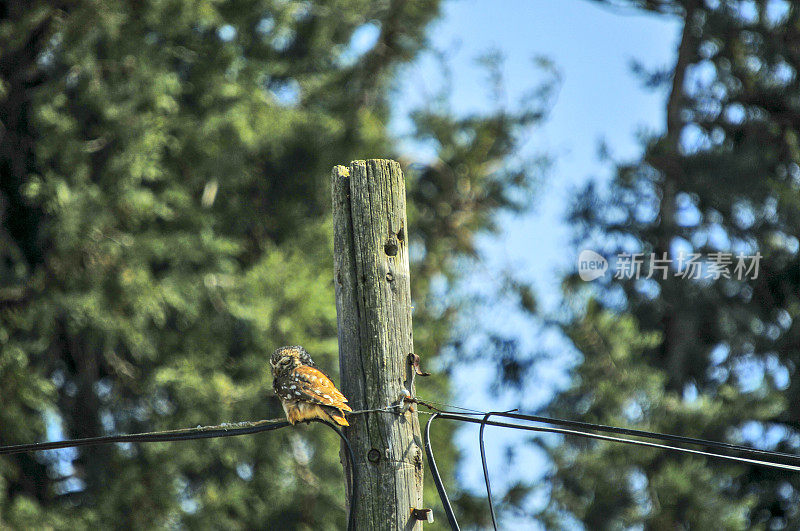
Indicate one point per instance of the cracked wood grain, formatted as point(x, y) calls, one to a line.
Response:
point(373, 306)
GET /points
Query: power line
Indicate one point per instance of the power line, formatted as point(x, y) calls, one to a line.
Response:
point(756, 456)
point(227, 429)
point(465, 417)
point(351, 520)
point(755, 453)
point(437, 478)
point(654, 435)
point(200, 432)
point(486, 469)
point(186, 434)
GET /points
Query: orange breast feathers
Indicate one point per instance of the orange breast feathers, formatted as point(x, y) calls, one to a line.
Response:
point(307, 393)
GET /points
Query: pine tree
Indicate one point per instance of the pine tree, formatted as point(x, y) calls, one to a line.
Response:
point(166, 224)
point(714, 358)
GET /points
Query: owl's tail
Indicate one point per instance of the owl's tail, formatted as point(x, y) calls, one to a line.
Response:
point(337, 416)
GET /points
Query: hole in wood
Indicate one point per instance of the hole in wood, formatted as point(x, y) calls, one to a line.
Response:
point(391, 247)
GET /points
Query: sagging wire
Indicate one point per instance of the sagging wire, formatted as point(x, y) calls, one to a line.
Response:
point(351, 513)
point(563, 431)
point(229, 429)
point(247, 427)
point(486, 470)
point(437, 478)
point(465, 417)
point(485, 467)
point(655, 435)
point(746, 450)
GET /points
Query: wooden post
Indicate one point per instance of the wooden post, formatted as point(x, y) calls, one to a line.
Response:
point(373, 306)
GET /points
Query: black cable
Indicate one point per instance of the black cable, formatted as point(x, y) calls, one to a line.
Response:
point(244, 428)
point(486, 470)
point(437, 479)
point(562, 431)
point(201, 432)
point(351, 521)
point(654, 435)
point(485, 421)
point(746, 450)
point(230, 429)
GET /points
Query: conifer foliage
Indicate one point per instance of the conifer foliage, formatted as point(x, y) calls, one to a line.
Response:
point(715, 358)
point(165, 224)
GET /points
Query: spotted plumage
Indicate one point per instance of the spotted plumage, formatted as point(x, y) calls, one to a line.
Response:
point(306, 393)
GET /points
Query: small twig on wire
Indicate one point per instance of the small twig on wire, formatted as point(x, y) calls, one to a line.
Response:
point(427, 403)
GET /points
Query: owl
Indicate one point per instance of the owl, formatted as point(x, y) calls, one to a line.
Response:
point(306, 393)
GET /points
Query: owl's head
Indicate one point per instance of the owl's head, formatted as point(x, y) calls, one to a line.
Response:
point(286, 358)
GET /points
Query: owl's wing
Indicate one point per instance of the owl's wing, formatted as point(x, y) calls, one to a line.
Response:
point(313, 386)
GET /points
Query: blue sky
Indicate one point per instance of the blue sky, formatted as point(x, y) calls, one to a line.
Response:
point(600, 99)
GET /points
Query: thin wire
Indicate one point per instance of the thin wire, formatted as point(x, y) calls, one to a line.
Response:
point(747, 450)
point(200, 432)
point(245, 428)
point(434, 471)
point(451, 406)
point(228, 429)
point(386, 409)
point(563, 431)
point(351, 516)
point(486, 470)
point(654, 435)
point(437, 478)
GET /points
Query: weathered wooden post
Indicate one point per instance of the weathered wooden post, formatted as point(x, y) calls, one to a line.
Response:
point(373, 305)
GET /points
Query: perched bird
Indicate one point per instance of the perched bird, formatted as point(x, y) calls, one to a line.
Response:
point(305, 391)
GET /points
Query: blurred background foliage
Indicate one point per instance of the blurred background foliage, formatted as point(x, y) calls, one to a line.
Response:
point(715, 359)
point(165, 224)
